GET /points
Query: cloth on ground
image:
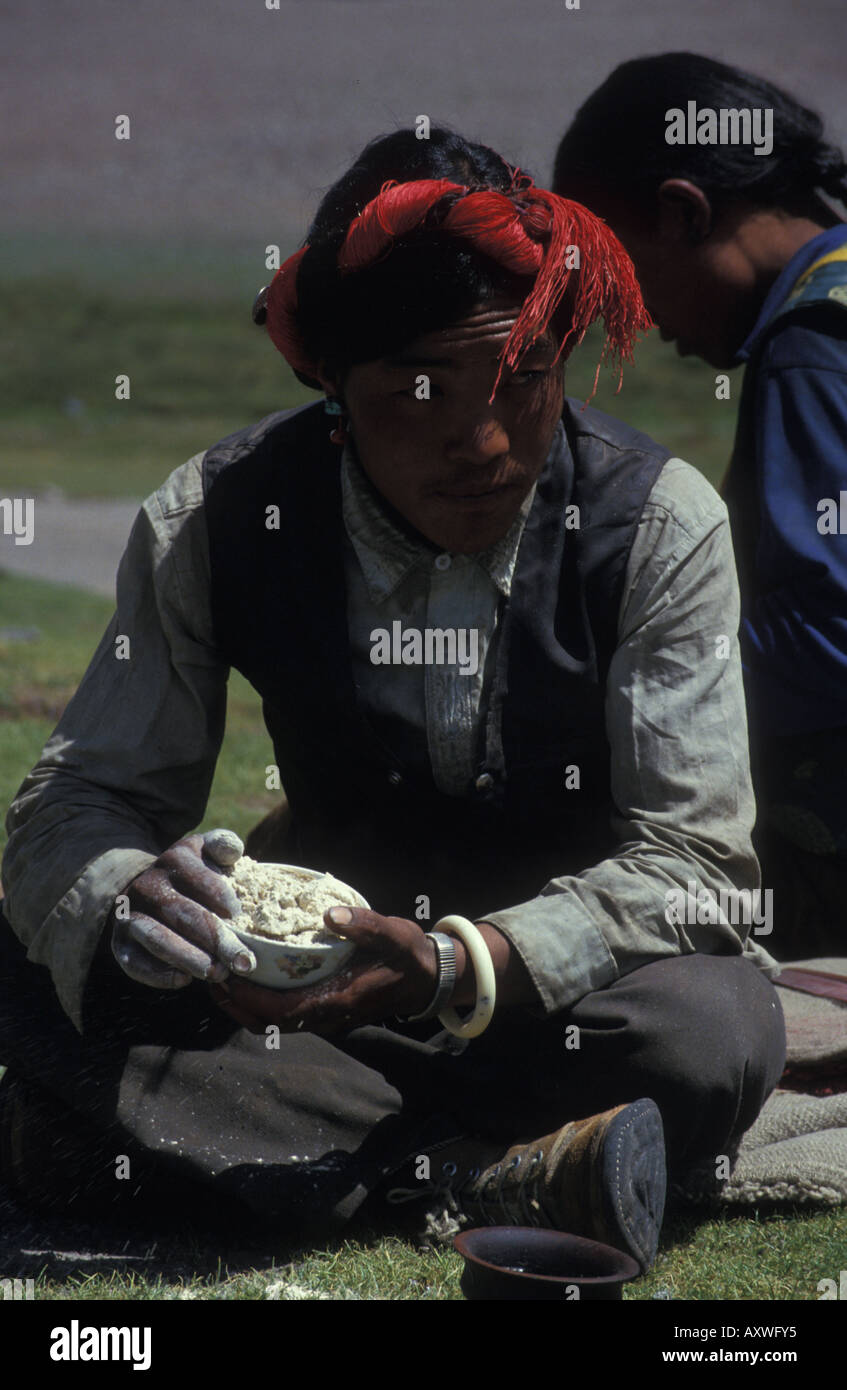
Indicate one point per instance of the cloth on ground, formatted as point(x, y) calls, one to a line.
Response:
point(796, 1152)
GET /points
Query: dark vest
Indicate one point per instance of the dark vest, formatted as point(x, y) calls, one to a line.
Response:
point(279, 611)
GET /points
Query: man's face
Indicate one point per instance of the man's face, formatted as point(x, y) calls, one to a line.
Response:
point(456, 468)
point(700, 292)
point(698, 296)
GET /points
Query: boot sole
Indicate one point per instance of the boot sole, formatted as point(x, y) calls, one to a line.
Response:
point(633, 1180)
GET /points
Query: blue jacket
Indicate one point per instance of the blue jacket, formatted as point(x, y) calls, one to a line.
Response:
point(790, 454)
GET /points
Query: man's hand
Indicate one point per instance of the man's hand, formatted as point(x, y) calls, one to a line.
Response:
point(175, 931)
point(393, 972)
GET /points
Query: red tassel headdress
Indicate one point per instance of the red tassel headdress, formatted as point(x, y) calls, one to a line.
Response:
point(528, 231)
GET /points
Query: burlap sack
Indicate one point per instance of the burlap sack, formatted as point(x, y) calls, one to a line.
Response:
point(796, 1152)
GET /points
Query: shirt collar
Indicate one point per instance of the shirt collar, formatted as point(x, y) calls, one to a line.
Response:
point(826, 241)
point(387, 555)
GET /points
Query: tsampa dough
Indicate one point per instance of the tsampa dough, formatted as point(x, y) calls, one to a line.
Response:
point(286, 904)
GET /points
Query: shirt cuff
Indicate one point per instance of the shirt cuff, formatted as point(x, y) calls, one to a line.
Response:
point(564, 952)
point(68, 938)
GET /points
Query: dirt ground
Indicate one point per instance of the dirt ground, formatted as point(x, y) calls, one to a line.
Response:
point(76, 542)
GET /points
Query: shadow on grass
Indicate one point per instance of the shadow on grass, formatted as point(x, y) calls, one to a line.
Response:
point(174, 1249)
point(182, 1242)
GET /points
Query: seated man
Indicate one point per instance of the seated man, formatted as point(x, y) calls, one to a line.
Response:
point(575, 780)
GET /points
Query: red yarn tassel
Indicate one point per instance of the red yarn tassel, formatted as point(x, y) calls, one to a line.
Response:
point(282, 315)
point(605, 286)
point(399, 208)
point(528, 231)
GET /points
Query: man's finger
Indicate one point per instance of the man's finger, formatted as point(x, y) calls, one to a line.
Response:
point(204, 885)
point(369, 930)
point(185, 918)
point(139, 965)
point(284, 1004)
point(329, 1007)
point(223, 846)
point(174, 950)
point(213, 935)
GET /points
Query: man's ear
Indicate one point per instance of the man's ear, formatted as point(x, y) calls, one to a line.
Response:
point(685, 213)
point(332, 379)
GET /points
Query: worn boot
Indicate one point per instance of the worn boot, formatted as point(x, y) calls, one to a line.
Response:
point(601, 1177)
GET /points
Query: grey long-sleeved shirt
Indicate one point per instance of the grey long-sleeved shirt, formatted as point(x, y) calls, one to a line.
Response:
point(130, 764)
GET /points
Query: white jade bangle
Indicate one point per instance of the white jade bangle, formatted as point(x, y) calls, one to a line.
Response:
point(483, 969)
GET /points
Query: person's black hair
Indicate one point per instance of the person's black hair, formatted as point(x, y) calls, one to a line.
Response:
point(403, 156)
point(617, 138)
point(428, 281)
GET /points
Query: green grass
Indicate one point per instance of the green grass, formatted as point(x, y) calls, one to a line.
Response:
point(198, 370)
point(37, 678)
point(770, 1257)
point(378, 1268)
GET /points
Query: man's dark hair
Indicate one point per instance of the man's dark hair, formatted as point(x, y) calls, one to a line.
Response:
point(617, 138)
point(430, 279)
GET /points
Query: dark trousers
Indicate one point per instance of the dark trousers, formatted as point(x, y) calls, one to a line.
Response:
point(304, 1132)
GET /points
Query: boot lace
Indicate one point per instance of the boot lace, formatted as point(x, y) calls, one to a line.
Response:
point(498, 1196)
point(515, 1198)
point(444, 1215)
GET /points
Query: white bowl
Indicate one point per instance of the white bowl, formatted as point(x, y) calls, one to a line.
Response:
point(281, 964)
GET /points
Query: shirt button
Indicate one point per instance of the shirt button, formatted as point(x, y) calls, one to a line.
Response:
point(395, 779)
point(443, 562)
point(484, 782)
